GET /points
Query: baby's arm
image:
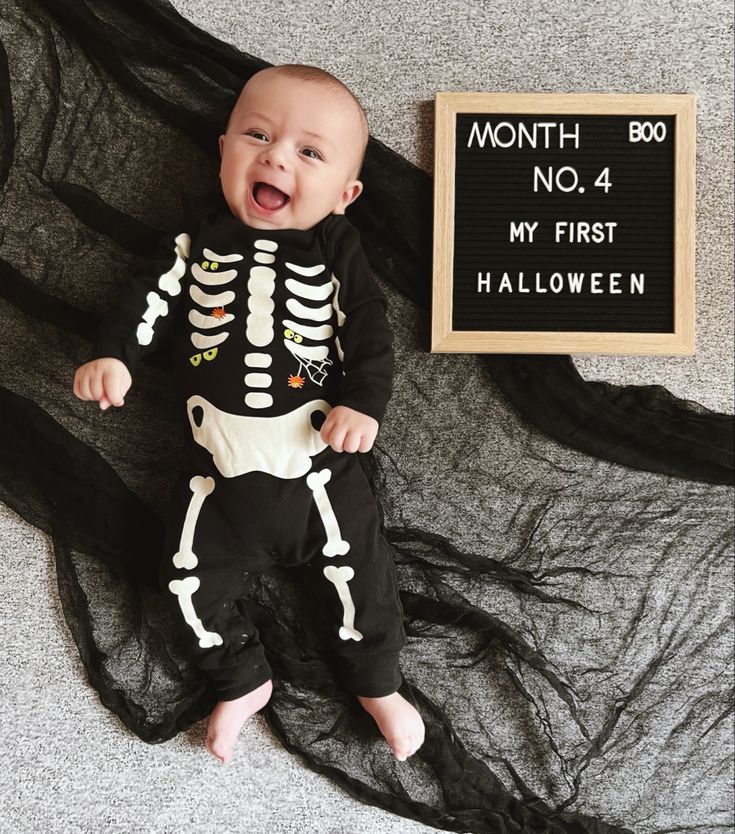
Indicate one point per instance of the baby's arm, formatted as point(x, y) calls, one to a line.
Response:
point(135, 324)
point(105, 380)
point(366, 341)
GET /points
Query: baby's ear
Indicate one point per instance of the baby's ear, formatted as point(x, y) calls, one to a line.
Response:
point(221, 145)
point(349, 195)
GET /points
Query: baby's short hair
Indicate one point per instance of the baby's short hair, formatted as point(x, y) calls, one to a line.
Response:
point(306, 72)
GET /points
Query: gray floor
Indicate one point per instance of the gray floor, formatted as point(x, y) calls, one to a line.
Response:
point(60, 747)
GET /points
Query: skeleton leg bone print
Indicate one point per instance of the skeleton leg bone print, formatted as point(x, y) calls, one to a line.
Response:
point(336, 545)
point(339, 577)
point(184, 590)
point(185, 556)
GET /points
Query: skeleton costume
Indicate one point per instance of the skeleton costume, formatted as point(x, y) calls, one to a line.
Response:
point(271, 329)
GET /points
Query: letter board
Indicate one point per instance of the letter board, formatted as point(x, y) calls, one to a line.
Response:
point(564, 223)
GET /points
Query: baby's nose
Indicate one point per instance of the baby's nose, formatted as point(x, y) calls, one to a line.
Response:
point(276, 156)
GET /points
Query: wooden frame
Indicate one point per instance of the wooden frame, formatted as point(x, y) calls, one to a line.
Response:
point(446, 340)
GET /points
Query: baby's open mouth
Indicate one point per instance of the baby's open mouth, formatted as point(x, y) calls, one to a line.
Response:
point(269, 197)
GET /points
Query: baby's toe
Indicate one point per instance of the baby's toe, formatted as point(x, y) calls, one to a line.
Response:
point(402, 747)
point(218, 749)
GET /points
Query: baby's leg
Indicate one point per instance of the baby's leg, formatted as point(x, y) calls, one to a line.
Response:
point(238, 671)
point(237, 667)
point(210, 606)
point(228, 718)
point(360, 590)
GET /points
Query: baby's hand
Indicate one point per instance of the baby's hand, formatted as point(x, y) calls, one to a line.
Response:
point(347, 430)
point(106, 380)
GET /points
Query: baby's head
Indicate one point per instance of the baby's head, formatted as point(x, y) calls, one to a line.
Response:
point(293, 148)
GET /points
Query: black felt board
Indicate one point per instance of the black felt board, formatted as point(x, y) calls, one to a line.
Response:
point(494, 186)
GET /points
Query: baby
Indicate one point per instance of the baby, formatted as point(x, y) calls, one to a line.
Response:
point(282, 358)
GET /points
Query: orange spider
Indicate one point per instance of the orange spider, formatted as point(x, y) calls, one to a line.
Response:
point(218, 312)
point(296, 381)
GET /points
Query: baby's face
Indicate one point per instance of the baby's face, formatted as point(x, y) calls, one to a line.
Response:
point(290, 153)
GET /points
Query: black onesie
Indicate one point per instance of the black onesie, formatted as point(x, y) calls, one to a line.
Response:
point(271, 329)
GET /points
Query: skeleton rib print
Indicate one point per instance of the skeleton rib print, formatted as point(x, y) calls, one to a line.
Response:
point(312, 359)
point(209, 274)
point(306, 323)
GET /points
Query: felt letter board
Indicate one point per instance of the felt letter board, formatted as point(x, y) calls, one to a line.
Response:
point(564, 223)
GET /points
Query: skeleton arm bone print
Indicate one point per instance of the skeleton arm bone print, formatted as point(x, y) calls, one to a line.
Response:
point(137, 322)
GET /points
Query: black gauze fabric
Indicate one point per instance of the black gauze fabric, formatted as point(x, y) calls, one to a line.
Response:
point(563, 547)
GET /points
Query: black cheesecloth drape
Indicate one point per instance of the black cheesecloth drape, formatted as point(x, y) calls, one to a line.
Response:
point(563, 547)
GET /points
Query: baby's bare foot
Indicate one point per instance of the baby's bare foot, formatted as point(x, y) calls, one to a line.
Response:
point(398, 721)
point(228, 717)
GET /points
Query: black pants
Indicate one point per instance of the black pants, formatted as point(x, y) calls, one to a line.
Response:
point(250, 523)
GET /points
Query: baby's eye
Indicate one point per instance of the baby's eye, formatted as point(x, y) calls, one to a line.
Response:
point(311, 153)
point(257, 134)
